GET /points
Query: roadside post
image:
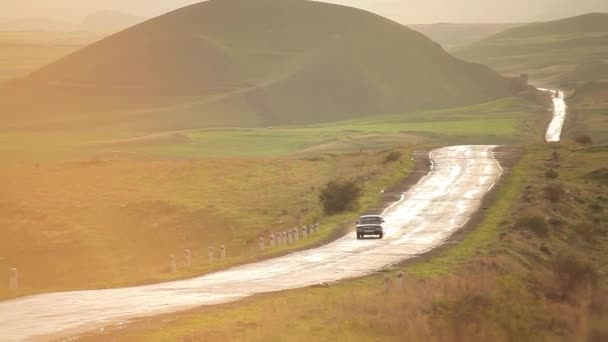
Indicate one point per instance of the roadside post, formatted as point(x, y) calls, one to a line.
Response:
point(399, 280)
point(262, 247)
point(279, 239)
point(13, 279)
point(296, 235)
point(172, 264)
point(188, 257)
point(304, 233)
point(271, 241)
point(211, 254)
point(222, 252)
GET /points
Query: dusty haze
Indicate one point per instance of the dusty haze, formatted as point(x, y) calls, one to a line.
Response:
point(406, 11)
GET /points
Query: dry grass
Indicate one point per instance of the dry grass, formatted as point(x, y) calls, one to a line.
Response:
point(98, 223)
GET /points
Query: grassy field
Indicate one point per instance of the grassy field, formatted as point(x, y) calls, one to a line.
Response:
point(97, 209)
point(98, 223)
point(506, 280)
point(508, 121)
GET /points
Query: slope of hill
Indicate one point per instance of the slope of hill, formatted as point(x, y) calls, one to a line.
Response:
point(457, 36)
point(109, 21)
point(251, 63)
point(553, 53)
point(26, 51)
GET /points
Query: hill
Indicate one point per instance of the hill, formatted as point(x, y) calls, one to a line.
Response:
point(553, 53)
point(457, 36)
point(26, 51)
point(250, 63)
point(109, 21)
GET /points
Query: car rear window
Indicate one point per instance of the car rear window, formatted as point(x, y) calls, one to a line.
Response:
point(370, 220)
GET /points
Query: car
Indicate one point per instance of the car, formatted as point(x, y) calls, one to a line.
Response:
point(370, 225)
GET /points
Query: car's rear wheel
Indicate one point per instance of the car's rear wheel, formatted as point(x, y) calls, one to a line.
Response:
point(381, 235)
point(359, 236)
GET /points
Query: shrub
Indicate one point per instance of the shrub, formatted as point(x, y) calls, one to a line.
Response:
point(584, 139)
point(552, 174)
point(554, 192)
point(534, 223)
point(571, 272)
point(393, 157)
point(589, 232)
point(339, 195)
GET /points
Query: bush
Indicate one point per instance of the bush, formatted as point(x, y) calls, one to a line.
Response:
point(552, 174)
point(571, 272)
point(339, 195)
point(393, 157)
point(589, 232)
point(534, 223)
point(554, 192)
point(584, 139)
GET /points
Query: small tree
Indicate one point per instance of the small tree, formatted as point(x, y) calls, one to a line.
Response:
point(551, 174)
point(571, 272)
point(339, 195)
point(393, 157)
point(554, 192)
point(534, 223)
point(584, 139)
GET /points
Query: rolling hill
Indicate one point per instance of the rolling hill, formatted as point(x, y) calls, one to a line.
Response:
point(454, 36)
point(249, 63)
point(553, 53)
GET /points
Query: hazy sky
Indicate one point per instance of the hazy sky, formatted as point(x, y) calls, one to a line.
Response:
point(406, 11)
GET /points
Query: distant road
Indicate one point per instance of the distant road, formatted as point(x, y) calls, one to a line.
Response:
point(554, 131)
point(423, 219)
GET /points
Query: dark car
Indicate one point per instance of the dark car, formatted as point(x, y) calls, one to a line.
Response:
point(370, 225)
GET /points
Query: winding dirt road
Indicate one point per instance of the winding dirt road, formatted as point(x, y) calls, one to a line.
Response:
point(423, 219)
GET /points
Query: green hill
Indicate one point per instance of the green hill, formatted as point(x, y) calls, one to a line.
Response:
point(453, 36)
point(553, 53)
point(250, 63)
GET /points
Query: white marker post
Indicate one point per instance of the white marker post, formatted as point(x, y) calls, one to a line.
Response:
point(271, 241)
point(211, 254)
point(172, 264)
point(262, 247)
point(279, 238)
point(13, 279)
point(399, 280)
point(289, 237)
point(304, 233)
point(387, 283)
point(285, 240)
point(188, 257)
point(296, 235)
point(222, 252)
